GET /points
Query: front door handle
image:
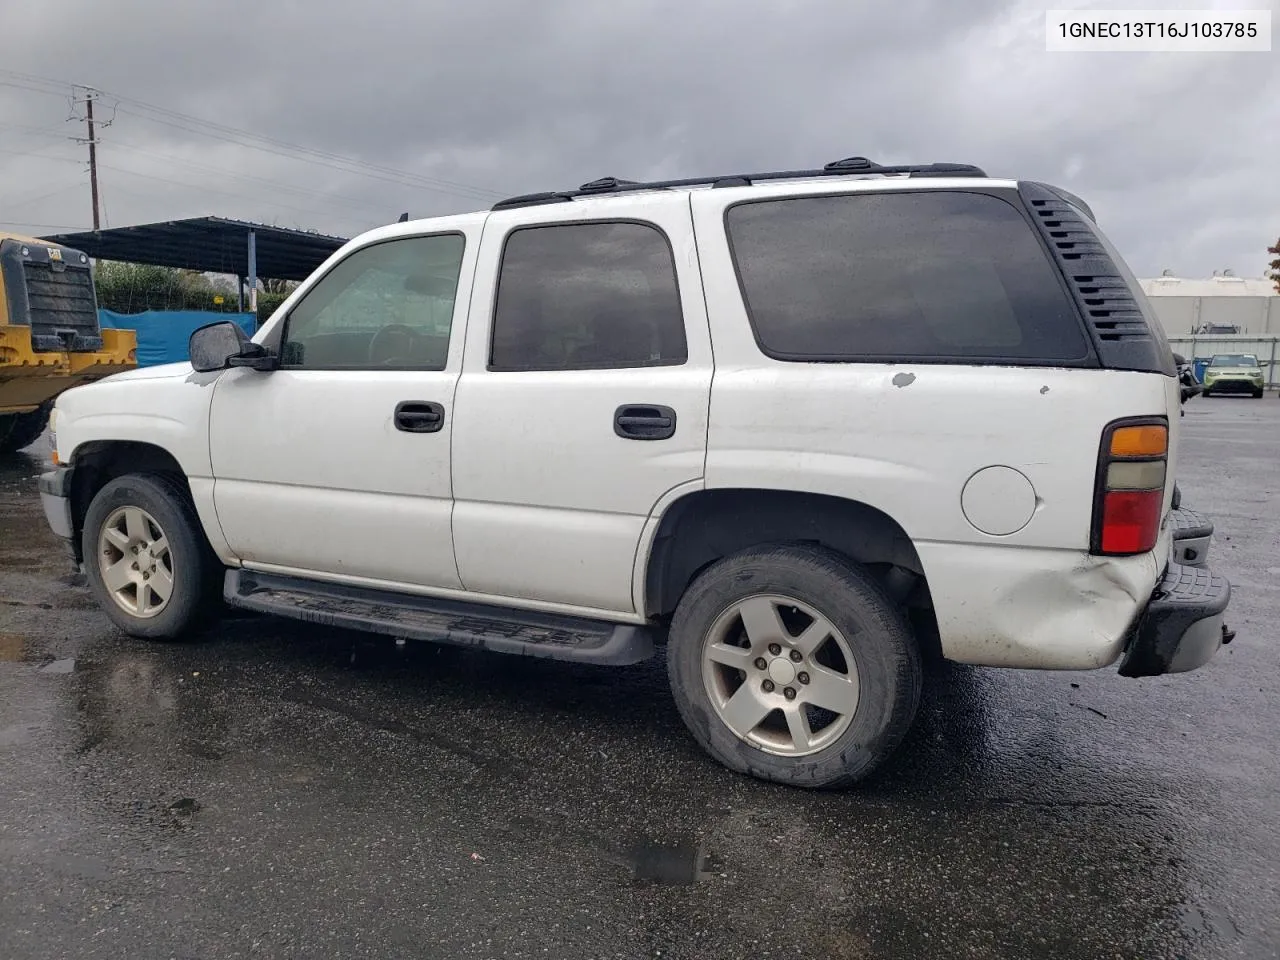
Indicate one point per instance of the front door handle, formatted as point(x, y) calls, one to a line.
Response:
point(419, 416)
point(642, 421)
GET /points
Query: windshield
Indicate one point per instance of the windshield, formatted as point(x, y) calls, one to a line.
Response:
point(1234, 360)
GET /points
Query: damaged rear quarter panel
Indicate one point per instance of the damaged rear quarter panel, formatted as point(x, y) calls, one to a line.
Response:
point(1034, 598)
point(1038, 609)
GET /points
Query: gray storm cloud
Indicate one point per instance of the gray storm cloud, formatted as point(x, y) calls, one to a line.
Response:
point(1175, 152)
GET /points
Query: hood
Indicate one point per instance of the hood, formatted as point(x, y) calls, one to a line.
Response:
point(162, 371)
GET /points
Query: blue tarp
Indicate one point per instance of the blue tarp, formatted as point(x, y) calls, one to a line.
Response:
point(163, 334)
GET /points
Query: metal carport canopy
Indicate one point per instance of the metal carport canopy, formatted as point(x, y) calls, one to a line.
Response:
point(209, 244)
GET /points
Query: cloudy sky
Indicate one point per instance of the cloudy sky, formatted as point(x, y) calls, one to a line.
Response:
point(337, 115)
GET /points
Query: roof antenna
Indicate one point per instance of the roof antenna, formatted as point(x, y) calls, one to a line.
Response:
point(404, 218)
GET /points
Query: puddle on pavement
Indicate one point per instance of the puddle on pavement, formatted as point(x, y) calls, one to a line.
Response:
point(13, 648)
point(683, 862)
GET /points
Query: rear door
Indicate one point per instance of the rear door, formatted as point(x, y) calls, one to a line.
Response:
point(583, 397)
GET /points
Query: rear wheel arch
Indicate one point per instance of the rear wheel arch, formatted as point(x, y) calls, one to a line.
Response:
point(704, 526)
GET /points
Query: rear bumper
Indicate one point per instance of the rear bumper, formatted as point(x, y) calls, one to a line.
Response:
point(1182, 626)
point(1192, 534)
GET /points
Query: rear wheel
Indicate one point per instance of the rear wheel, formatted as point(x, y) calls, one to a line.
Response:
point(791, 664)
point(20, 430)
point(146, 558)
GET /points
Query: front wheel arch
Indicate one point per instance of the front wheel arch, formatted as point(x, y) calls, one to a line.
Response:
point(98, 462)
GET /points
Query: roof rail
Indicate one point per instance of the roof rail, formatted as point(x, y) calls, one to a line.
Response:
point(849, 166)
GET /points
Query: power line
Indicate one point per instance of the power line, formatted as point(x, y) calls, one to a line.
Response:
point(400, 178)
point(26, 128)
point(239, 196)
point(68, 228)
point(43, 196)
point(320, 154)
point(191, 124)
point(118, 144)
point(61, 94)
point(31, 79)
point(42, 156)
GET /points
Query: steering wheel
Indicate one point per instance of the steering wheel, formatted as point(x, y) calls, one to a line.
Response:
point(390, 344)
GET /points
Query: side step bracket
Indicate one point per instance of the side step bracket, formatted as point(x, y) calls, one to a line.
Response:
point(501, 630)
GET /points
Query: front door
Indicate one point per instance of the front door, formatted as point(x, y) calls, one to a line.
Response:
point(337, 464)
point(583, 398)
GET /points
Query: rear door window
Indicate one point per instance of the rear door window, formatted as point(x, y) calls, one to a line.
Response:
point(586, 296)
point(922, 276)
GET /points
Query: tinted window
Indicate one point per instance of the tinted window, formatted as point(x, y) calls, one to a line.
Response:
point(929, 275)
point(389, 305)
point(587, 295)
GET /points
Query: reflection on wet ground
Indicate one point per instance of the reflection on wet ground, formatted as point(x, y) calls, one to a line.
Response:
point(277, 789)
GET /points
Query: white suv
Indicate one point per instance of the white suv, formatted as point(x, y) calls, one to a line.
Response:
point(805, 429)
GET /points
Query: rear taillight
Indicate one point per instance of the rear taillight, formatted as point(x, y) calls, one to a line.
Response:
point(1132, 466)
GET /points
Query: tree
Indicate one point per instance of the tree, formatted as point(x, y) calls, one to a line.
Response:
point(136, 288)
point(1274, 272)
point(285, 287)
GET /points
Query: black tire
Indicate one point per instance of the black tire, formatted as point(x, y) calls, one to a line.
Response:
point(1257, 394)
point(23, 429)
point(197, 573)
point(885, 653)
point(1206, 392)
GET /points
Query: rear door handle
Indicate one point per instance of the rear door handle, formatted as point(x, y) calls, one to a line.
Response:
point(640, 421)
point(419, 416)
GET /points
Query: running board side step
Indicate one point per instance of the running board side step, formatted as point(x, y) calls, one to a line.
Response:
point(499, 629)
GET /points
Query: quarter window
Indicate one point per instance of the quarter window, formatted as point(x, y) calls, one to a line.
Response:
point(930, 275)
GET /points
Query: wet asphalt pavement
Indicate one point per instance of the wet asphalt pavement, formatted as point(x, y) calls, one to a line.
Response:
point(280, 790)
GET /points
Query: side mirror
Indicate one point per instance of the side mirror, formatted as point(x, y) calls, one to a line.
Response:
point(217, 346)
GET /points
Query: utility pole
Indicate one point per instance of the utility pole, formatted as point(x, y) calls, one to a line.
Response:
point(90, 95)
point(93, 155)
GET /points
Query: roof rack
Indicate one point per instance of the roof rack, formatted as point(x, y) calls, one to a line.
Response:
point(849, 166)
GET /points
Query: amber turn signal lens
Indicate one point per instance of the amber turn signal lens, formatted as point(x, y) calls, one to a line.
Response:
point(1143, 441)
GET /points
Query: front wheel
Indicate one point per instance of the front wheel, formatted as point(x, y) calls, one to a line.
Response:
point(146, 558)
point(791, 664)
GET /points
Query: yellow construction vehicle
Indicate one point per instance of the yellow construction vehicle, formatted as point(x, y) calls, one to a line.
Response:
point(50, 339)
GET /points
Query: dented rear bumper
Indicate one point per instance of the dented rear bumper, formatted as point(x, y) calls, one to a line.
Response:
point(1153, 613)
point(1183, 624)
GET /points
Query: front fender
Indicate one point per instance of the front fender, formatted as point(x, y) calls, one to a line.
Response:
point(171, 413)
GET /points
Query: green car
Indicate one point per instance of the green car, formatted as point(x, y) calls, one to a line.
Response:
point(1233, 373)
